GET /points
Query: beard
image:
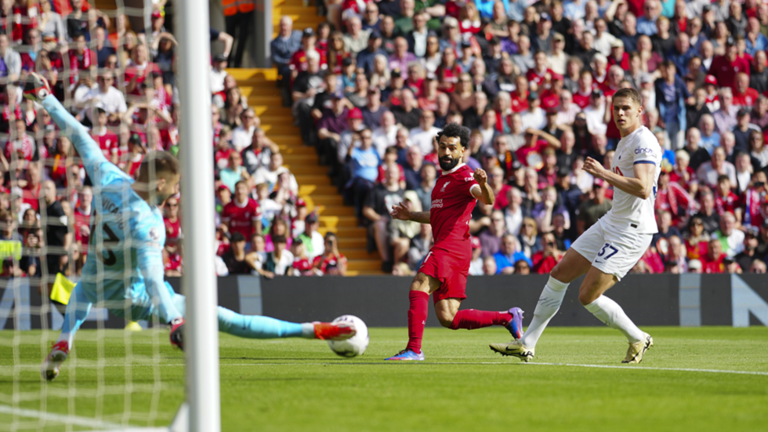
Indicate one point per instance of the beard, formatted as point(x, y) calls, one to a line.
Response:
point(446, 165)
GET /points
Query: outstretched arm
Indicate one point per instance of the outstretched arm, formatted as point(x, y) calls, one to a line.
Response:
point(87, 148)
point(400, 211)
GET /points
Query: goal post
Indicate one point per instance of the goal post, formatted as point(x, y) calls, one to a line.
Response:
point(201, 338)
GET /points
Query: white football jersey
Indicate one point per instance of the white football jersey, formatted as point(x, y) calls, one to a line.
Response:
point(628, 211)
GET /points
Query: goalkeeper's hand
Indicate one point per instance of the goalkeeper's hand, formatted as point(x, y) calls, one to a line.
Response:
point(177, 333)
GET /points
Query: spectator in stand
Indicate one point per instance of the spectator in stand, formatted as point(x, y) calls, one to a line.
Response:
point(11, 60)
point(731, 238)
point(259, 153)
point(331, 125)
point(514, 213)
point(234, 172)
point(138, 70)
point(23, 146)
point(235, 258)
point(363, 161)
point(713, 260)
point(376, 209)
point(282, 48)
point(709, 172)
point(242, 214)
point(356, 39)
point(407, 114)
point(725, 117)
point(757, 150)
point(423, 136)
point(508, 255)
point(106, 97)
point(172, 221)
point(549, 255)
point(242, 136)
point(593, 209)
point(313, 240)
point(671, 95)
point(331, 262)
point(412, 167)
point(748, 254)
point(57, 235)
point(666, 230)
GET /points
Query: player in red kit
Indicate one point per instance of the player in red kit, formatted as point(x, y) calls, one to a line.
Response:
point(443, 272)
point(242, 214)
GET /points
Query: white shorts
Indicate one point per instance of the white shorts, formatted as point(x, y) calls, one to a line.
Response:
point(612, 250)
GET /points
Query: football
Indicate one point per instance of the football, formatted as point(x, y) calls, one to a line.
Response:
point(355, 345)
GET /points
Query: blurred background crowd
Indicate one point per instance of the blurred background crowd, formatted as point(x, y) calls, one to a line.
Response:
point(533, 81)
point(369, 88)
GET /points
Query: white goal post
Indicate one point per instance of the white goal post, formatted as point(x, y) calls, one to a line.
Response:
point(201, 338)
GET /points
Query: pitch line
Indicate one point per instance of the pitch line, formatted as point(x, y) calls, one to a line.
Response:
point(372, 363)
point(59, 418)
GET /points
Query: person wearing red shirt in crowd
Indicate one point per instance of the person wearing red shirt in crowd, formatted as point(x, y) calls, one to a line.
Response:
point(81, 59)
point(743, 95)
point(538, 74)
point(535, 143)
point(83, 219)
point(725, 199)
point(550, 98)
point(172, 260)
point(31, 191)
point(331, 262)
point(136, 153)
point(612, 84)
point(519, 97)
point(242, 214)
point(107, 139)
point(172, 221)
point(725, 67)
point(696, 243)
point(32, 40)
point(298, 62)
point(673, 198)
point(23, 147)
point(544, 260)
point(444, 270)
point(712, 262)
point(752, 198)
point(584, 93)
point(618, 56)
point(138, 70)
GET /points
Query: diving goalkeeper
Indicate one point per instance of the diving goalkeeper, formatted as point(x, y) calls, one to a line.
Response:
point(124, 268)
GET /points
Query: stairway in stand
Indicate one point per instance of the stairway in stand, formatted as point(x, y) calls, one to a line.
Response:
point(259, 85)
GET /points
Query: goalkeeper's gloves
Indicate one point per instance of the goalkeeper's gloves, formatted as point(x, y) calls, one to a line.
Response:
point(177, 333)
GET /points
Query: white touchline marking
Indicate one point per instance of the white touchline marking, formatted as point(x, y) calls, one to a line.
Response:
point(59, 418)
point(342, 362)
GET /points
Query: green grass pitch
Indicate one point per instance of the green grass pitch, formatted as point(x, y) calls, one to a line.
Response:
point(693, 379)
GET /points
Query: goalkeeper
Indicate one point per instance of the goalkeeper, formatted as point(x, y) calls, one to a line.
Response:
point(124, 268)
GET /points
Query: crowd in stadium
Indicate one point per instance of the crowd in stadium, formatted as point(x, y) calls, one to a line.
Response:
point(533, 81)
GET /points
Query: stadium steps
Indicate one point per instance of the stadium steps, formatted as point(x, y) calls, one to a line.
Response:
point(315, 188)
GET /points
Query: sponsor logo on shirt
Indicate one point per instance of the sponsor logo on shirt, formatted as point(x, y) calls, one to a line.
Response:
point(468, 179)
point(438, 203)
point(643, 150)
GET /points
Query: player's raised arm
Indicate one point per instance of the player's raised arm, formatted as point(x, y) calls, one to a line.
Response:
point(37, 89)
point(484, 193)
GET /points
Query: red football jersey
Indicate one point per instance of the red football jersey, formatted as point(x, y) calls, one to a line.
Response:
point(172, 230)
point(746, 99)
point(82, 219)
point(24, 148)
point(726, 203)
point(452, 205)
point(240, 218)
point(108, 143)
point(581, 99)
point(519, 103)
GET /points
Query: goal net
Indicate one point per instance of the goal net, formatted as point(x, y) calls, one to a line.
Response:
point(112, 65)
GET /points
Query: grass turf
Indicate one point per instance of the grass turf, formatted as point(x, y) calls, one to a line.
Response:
point(294, 384)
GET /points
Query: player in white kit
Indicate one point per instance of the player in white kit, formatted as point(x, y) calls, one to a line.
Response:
point(612, 246)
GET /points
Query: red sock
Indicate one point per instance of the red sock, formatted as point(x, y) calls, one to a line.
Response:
point(474, 319)
point(417, 318)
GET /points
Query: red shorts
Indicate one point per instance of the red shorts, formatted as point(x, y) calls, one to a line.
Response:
point(450, 269)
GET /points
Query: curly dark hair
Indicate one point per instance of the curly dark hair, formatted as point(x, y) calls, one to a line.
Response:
point(455, 130)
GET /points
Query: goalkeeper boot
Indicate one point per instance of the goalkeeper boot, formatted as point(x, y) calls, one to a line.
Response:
point(407, 355)
point(515, 326)
point(514, 348)
point(59, 353)
point(36, 88)
point(637, 349)
point(334, 331)
point(177, 333)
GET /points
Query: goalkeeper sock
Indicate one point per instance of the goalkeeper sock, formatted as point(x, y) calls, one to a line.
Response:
point(258, 327)
point(77, 310)
point(610, 313)
point(471, 319)
point(549, 303)
point(417, 319)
